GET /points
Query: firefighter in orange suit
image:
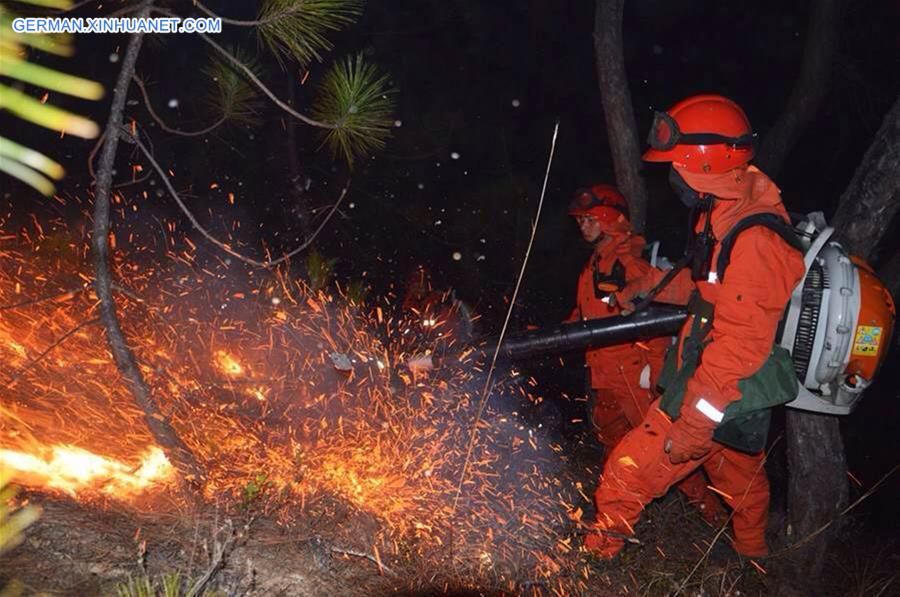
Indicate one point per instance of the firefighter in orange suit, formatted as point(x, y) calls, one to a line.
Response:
point(437, 318)
point(621, 377)
point(710, 415)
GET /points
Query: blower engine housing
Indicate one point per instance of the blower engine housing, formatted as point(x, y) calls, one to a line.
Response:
point(837, 325)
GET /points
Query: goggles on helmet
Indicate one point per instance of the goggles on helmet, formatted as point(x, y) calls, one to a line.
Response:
point(586, 199)
point(665, 134)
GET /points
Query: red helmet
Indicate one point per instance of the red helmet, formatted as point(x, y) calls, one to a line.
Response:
point(702, 133)
point(601, 201)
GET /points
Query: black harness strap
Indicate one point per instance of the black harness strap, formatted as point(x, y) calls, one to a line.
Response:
point(771, 221)
point(606, 284)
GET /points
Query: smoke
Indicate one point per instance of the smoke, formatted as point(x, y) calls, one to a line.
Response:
point(239, 362)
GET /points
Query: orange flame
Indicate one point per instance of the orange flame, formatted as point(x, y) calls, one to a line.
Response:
point(227, 364)
point(72, 470)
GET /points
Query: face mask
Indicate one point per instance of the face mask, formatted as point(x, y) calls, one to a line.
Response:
point(688, 196)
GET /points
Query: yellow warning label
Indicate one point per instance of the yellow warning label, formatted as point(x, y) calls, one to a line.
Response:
point(868, 339)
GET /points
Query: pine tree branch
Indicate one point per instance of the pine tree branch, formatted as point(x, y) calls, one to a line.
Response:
point(140, 83)
point(43, 298)
point(93, 154)
point(256, 81)
point(225, 247)
point(262, 87)
point(72, 291)
point(295, 29)
point(256, 23)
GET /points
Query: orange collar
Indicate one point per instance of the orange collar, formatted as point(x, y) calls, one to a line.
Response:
point(739, 193)
point(619, 244)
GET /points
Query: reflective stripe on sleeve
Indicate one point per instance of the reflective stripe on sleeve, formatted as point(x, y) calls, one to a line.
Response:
point(710, 411)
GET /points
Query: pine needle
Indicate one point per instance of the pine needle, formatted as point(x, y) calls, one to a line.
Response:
point(231, 94)
point(358, 100)
point(296, 29)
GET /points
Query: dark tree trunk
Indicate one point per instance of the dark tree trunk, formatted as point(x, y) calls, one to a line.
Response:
point(890, 272)
point(809, 90)
point(621, 128)
point(818, 487)
point(162, 432)
point(872, 200)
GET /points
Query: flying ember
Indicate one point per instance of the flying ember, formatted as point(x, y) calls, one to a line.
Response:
point(268, 416)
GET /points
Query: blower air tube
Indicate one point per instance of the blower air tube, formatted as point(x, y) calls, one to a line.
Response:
point(654, 321)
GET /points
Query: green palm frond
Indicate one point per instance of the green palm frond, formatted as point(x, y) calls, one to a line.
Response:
point(59, 44)
point(232, 95)
point(297, 28)
point(60, 4)
point(29, 166)
point(17, 68)
point(27, 108)
point(359, 101)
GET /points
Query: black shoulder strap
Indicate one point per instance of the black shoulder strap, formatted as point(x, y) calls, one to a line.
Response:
point(614, 281)
point(773, 222)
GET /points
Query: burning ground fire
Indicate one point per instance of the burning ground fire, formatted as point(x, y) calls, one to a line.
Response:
point(241, 370)
point(71, 469)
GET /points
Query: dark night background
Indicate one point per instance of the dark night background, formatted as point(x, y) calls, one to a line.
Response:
point(487, 81)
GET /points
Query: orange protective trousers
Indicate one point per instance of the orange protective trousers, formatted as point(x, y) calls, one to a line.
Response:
point(748, 302)
point(620, 401)
point(612, 424)
point(635, 474)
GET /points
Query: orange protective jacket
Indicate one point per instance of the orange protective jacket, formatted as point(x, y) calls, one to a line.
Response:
point(750, 302)
point(619, 367)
